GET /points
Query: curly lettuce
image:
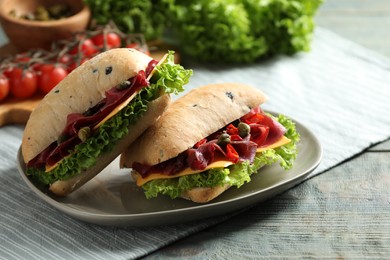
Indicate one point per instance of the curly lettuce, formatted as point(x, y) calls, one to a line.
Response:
point(169, 78)
point(216, 30)
point(234, 175)
point(137, 16)
point(243, 30)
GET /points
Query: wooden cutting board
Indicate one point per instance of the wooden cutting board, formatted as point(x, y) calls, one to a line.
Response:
point(17, 111)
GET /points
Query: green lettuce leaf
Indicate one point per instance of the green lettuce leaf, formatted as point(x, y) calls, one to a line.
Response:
point(243, 30)
point(234, 175)
point(147, 17)
point(169, 78)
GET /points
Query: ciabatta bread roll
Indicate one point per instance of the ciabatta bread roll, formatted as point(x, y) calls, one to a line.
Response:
point(214, 128)
point(102, 106)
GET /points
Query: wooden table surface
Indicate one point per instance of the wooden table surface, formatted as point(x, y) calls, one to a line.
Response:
point(343, 213)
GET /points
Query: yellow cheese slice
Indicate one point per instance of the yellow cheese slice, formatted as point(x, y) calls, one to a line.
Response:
point(49, 168)
point(217, 164)
point(282, 141)
point(115, 111)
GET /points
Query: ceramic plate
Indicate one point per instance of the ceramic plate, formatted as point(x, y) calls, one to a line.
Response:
point(112, 198)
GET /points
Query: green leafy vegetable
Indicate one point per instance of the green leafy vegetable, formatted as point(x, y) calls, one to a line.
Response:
point(217, 30)
point(136, 16)
point(244, 30)
point(234, 175)
point(170, 78)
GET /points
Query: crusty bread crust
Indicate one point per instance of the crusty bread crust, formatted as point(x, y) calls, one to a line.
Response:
point(190, 118)
point(203, 195)
point(82, 88)
point(198, 195)
point(155, 108)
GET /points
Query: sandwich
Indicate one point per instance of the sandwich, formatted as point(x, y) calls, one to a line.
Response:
point(100, 108)
point(210, 139)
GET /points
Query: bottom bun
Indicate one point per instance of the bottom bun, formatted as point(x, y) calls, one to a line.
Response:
point(203, 195)
point(155, 109)
point(198, 195)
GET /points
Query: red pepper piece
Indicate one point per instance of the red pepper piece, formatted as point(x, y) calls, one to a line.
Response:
point(203, 141)
point(231, 153)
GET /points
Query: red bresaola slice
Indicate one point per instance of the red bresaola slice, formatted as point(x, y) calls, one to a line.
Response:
point(264, 131)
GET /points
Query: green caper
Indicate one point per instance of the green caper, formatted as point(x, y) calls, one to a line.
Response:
point(243, 129)
point(124, 85)
point(223, 139)
point(84, 133)
point(61, 139)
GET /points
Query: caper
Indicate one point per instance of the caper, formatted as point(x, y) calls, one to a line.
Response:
point(61, 139)
point(223, 139)
point(243, 129)
point(84, 133)
point(124, 85)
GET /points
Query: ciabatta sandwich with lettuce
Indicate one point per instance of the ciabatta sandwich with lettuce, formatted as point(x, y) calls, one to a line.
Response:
point(209, 140)
point(100, 108)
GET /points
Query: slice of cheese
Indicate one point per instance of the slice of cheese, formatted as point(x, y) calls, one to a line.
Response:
point(216, 164)
point(282, 141)
point(49, 168)
point(115, 111)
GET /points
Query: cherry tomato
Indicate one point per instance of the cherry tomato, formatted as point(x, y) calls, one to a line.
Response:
point(50, 76)
point(112, 40)
point(23, 83)
point(22, 57)
point(4, 87)
point(36, 66)
point(88, 48)
point(65, 59)
point(7, 72)
point(132, 45)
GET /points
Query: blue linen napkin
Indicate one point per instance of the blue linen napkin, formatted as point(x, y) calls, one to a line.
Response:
point(339, 90)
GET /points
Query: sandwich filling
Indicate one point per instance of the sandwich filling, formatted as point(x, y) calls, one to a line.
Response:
point(226, 157)
point(97, 130)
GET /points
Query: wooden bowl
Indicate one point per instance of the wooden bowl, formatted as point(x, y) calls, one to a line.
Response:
point(26, 34)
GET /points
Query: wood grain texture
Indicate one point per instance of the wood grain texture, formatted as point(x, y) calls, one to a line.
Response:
point(17, 111)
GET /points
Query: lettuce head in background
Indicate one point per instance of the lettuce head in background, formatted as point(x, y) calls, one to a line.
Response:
point(224, 31)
